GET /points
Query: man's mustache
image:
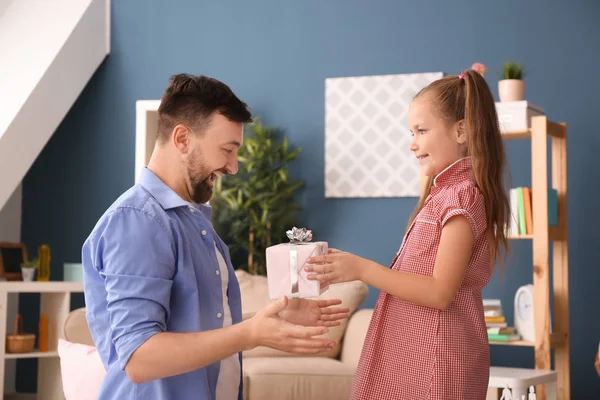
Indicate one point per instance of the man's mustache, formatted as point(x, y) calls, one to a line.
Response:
point(223, 171)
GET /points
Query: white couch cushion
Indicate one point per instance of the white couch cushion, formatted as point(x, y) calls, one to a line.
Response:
point(255, 296)
point(354, 339)
point(286, 378)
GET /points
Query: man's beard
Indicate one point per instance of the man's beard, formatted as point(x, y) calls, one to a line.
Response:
point(198, 176)
point(201, 190)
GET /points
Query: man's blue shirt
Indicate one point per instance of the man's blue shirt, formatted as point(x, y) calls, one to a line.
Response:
point(149, 267)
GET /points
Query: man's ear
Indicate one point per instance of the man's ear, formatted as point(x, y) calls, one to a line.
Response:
point(181, 138)
point(461, 132)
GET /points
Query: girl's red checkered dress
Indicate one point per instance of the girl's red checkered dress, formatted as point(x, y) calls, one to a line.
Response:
point(413, 352)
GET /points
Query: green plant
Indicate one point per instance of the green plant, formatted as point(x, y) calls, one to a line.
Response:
point(511, 70)
point(30, 264)
point(254, 208)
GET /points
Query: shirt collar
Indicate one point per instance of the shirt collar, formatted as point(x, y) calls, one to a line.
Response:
point(205, 208)
point(165, 196)
point(456, 172)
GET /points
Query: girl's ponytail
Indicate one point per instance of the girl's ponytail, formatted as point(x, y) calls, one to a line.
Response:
point(486, 147)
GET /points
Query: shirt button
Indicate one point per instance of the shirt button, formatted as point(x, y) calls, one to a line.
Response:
point(218, 272)
point(192, 209)
point(219, 315)
point(203, 232)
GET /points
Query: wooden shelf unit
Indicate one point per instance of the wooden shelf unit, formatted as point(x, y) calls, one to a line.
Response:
point(546, 338)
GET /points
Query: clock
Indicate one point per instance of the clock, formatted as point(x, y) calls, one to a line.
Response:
point(524, 322)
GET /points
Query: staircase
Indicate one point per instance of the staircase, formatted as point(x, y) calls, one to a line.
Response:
point(49, 50)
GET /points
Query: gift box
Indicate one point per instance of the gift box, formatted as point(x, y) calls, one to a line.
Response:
point(285, 266)
point(516, 115)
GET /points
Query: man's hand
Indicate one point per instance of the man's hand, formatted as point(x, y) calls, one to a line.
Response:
point(314, 312)
point(266, 328)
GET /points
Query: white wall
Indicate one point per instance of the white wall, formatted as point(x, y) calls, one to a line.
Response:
point(43, 72)
point(10, 218)
point(10, 231)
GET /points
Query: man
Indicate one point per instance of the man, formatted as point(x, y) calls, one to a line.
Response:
point(163, 303)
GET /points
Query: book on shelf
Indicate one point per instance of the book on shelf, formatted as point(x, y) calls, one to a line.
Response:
point(498, 318)
point(492, 313)
point(492, 303)
point(521, 210)
point(495, 322)
point(502, 331)
point(503, 338)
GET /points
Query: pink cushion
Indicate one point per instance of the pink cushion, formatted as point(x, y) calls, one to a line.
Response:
point(81, 369)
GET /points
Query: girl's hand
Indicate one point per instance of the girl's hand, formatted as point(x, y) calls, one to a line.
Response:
point(335, 267)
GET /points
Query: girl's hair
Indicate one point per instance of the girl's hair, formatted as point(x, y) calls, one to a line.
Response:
point(468, 97)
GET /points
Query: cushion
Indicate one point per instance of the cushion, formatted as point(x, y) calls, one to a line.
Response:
point(354, 339)
point(255, 296)
point(288, 378)
point(81, 370)
point(76, 329)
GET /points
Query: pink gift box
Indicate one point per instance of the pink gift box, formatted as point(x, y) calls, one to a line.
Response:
point(285, 269)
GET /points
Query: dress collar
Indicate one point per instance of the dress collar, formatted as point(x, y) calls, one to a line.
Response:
point(459, 171)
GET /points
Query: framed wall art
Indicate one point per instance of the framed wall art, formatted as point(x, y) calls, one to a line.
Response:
point(367, 137)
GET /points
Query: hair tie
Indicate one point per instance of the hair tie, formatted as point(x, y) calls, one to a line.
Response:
point(462, 75)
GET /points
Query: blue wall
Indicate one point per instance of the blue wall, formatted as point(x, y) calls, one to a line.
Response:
point(276, 55)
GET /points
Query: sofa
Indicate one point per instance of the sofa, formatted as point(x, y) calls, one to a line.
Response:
point(268, 373)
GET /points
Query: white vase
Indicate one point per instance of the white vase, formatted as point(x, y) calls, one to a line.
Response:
point(511, 90)
point(28, 274)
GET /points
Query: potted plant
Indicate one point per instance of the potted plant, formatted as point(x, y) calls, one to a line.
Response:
point(511, 86)
point(253, 208)
point(28, 269)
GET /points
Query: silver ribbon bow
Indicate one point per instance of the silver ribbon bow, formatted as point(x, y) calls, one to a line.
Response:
point(297, 236)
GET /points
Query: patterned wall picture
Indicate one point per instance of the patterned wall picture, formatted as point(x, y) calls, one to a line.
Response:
point(367, 137)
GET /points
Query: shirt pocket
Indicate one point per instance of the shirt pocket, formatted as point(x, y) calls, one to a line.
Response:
point(421, 247)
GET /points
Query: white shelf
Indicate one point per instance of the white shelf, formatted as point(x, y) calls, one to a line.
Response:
point(41, 287)
point(55, 300)
point(519, 379)
point(32, 354)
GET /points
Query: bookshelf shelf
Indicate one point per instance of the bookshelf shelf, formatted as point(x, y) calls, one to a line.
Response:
point(520, 237)
point(516, 135)
point(548, 338)
point(554, 234)
point(556, 341)
point(513, 343)
point(552, 129)
point(34, 354)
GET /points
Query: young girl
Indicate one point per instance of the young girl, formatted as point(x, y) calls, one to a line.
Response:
point(427, 338)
